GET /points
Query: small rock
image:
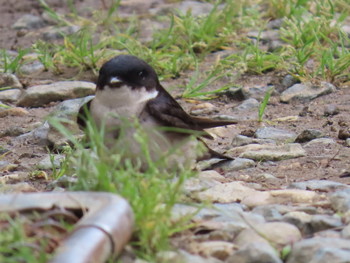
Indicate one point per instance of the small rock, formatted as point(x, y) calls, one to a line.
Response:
point(318, 185)
point(306, 92)
point(241, 140)
point(331, 110)
point(183, 257)
point(269, 152)
point(346, 232)
point(59, 33)
point(340, 200)
point(51, 161)
point(237, 164)
point(271, 212)
point(256, 92)
point(344, 134)
point(275, 24)
point(288, 81)
point(9, 178)
point(40, 95)
point(32, 68)
point(320, 250)
point(246, 105)
point(347, 142)
point(301, 220)
point(323, 222)
point(9, 80)
point(198, 184)
point(346, 29)
point(275, 134)
point(203, 108)
point(255, 252)
point(226, 193)
point(17, 111)
point(278, 233)
point(22, 187)
point(13, 131)
point(29, 21)
point(326, 141)
point(216, 249)
point(248, 236)
point(10, 95)
point(308, 135)
point(196, 8)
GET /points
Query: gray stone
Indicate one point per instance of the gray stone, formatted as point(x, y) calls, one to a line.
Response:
point(275, 24)
point(318, 185)
point(37, 136)
point(10, 95)
point(22, 187)
point(183, 257)
point(331, 110)
point(340, 200)
point(347, 142)
point(29, 21)
point(320, 141)
point(237, 164)
point(214, 248)
point(301, 220)
point(51, 161)
point(308, 135)
point(32, 68)
point(288, 81)
point(323, 222)
point(241, 140)
point(346, 29)
point(256, 92)
point(275, 134)
point(346, 232)
point(40, 95)
point(255, 252)
point(196, 8)
point(9, 80)
point(63, 182)
point(13, 131)
point(306, 92)
point(318, 249)
point(58, 33)
point(269, 152)
point(246, 105)
point(272, 212)
point(264, 36)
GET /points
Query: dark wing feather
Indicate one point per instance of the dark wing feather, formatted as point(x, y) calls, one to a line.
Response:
point(82, 115)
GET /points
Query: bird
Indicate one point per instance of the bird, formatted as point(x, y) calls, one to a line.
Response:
point(128, 90)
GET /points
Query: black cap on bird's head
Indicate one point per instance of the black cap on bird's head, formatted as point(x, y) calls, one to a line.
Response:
point(127, 70)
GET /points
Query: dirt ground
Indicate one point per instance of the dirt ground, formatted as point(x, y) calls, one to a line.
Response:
point(329, 162)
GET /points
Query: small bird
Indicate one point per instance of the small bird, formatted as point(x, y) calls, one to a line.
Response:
point(128, 89)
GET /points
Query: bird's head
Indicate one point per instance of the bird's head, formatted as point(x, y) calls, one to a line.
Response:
point(127, 70)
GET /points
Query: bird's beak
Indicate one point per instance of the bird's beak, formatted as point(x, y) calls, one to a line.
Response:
point(115, 80)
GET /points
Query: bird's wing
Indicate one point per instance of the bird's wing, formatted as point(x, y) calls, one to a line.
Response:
point(83, 114)
point(169, 113)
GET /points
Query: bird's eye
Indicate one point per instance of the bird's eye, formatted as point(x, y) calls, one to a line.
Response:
point(142, 74)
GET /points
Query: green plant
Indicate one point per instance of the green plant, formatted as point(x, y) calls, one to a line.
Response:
point(11, 64)
point(263, 104)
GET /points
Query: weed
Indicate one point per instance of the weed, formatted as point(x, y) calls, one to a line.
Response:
point(263, 104)
point(11, 64)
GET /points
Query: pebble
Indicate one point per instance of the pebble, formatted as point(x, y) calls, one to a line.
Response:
point(269, 152)
point(288, 81)
point(255, 252)
point(237, 164)
point(331, 110)
point(256, 92)
point(203, 108)
point(16, 111)
point(308, 135)
point(183, 257)
point(247, 104)
point(40, 95)
point(306, 92)
point(13, 131)
point(340, 200)
point(320, 250)
point(29, 21)
point(241, 140)
point(320, 141)
point(318, 185)
point(344, 134)
point(21, 187)
point(10, 95)
point(216, 249)
point(32, 68)
point(50, 161)
point(226, 193)
point(9, 80)
point(64, 181)
point(346, 232)
point(275, 134)
point(301, 220)
point(53, 34)
point(275, 23)
point(347, 142)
